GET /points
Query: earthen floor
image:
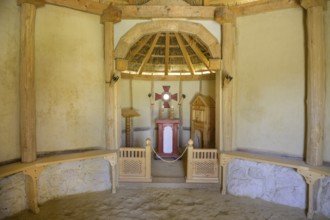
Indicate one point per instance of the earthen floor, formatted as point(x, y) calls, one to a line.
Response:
point(163, 200)
point(162, 203)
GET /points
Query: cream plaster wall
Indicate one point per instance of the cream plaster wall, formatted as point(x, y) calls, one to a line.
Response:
point(69, 79)
point(9, 75)
point(326, 155)
point(271, 82)
point(148, 114)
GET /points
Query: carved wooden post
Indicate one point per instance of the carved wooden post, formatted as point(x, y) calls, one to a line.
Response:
point(28, 141)
point(190, 152)
point(110, 16)
point(227, 19)
point(315, 80)
point(148, 159)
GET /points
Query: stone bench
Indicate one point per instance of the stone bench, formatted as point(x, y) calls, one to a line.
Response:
point(33, 170)
point(311, 174)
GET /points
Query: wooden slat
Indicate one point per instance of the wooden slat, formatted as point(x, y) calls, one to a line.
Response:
point(147, 57)
point(185, 53)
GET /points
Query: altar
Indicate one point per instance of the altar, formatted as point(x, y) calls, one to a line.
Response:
point(167, 138)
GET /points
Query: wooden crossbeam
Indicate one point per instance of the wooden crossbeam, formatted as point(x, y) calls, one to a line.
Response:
point(241, 7)
point(185, 53)
point(263, 6)
point(196, 49)
point(147, 57)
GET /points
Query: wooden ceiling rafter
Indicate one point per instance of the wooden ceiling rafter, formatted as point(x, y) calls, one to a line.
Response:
point(140, 45)
point(147, 57)
point(185, 53)
point(198, 52)
point(167, 52)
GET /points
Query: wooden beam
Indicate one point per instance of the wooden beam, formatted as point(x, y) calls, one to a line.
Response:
point(185, 53)
point(28, 141)
point(147, 57)
point(167, 11)
point(228, 58)
point(112, 108)
point(111, 14)
point(37, 3)
point(240, 7)
point(224, 15)
point(196, 49)
point(121, 64)
point(139, 11)
point(139, 47)
point(229, 2)
point(315, 84)
point(313, 3)
point(81, 5)
point(168, 77)
point(167, 51)
point(263, 6)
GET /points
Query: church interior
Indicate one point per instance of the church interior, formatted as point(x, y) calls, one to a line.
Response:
point(222, 100)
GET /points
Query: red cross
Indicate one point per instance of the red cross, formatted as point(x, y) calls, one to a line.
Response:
point(166, 91)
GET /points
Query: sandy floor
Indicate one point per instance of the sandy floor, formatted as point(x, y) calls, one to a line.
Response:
point(153, 203)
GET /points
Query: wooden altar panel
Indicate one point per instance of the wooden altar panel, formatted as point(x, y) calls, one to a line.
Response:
point(167, 143)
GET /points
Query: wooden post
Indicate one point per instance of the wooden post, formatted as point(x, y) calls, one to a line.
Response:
point(28, 141)
point(225, 17)
point(315, 80)
point(148, 159)
point(190, 152)
point(110, 16)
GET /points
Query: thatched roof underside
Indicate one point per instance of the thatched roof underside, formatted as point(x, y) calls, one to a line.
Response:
point(169, 54)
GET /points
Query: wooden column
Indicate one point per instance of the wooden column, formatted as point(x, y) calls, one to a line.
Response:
point(315, 80)
point(110, 16)
point(28, 141)
point(227, 20)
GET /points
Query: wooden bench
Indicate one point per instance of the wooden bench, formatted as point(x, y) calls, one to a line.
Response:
point(311, 174)
point(33, 170)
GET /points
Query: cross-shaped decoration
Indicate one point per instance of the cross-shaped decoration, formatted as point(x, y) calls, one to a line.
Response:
point(166, 96)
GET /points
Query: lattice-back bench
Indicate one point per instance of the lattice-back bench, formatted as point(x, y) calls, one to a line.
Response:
point(311, 174)
point(32, 170)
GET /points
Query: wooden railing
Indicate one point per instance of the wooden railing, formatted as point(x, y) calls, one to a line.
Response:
point(135, 164)
point(202, 165)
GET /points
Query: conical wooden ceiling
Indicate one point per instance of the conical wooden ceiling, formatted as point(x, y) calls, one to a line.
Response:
point(168, 53)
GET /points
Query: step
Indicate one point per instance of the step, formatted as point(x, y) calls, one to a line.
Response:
point(169, 182)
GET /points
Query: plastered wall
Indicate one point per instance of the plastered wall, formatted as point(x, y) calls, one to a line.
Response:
point(9, 73)
point(149, 109)
point(271, 82)
point(69, 79)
